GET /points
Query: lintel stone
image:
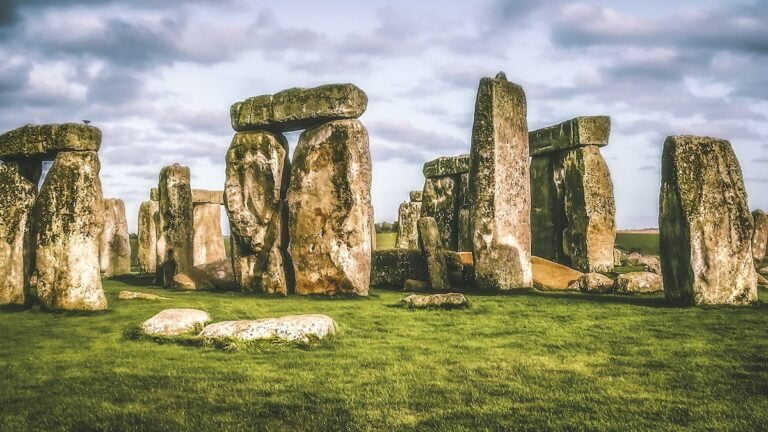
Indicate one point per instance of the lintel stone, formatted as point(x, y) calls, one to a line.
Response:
point(44, 141)
point(577, 132)
point(446, 165)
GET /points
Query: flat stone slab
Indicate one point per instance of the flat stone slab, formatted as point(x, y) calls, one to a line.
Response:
point(173, 322)
point(47, 140)
point(135, 295)
point(202, 196)
point(551, 276)
point(577, 132)
point(638, 283)
point(298, 108)
point(593, 283)
point(446, 166)
point(445, 301)
point(291, 328)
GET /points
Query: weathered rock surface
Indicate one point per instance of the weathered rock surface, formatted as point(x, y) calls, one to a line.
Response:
point(184, 281)
point(176, 219)
point(254, 196)
point(444, 301)
point(577, 132)
point(705, 224)
point(115, 246)
point(416, 285)
point(203, 196)
point(652, 264)
point(548, 219)
point(208, 238)
point(499, 187)
point(415, 196)
point(329, 202)
point(17, 196)
point(44, 141)
point(619, 257)
point(638, 283)
point(464, 231)
point(432, 248)
point(760, 235)
point(213, 276)
point(154, 194)
point(440, 200)
point(635, 259)
point(146, 253)
point(446, 166)
point(407, 232)
point(551, 276)
point(761, 280)
point(291, 328)
point(586, 190)
point(68, 217)
point(593, 283)
point(392, 267)
point(173, 322)
point(299, 108)
point(135, 295)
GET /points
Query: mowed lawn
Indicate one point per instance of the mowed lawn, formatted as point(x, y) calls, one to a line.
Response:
point(524, 361)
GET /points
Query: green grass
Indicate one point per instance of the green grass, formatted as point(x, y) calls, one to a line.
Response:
point(646, 244)
point(529, 361)
point(385, 240)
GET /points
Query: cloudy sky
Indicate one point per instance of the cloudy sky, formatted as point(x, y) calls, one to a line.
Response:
point(158, 77)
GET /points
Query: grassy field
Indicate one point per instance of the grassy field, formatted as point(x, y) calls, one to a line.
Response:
point(528, 361)
point(646, 244)
point(385, 240)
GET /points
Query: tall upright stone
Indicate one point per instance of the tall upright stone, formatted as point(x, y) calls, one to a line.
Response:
point(177, 221)
point(147, 237)
point(443, 195)
point(115, 247)
point(760, 235)
point(17, 196)
point(499, 187)
point(329, 201)
point(573, 210)
point(407, 232)
point(431, 246)
point(254, 195)
point(209, 239)
point(68, 218)
point(705, 225)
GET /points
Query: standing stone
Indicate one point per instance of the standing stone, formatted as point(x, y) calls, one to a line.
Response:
point(17, 196)
point(415, 196)
point(465, 231)
point(209, 240)
point(705, 225)
point(177, 221)
point(432, 248)
point(760, 236)
point(147, 241)
point(547, 216)
point(585, 186)
point(329, 202)
point(407, 231)
point(254, 194)
point(499, 187)
point(68, 218)
point(440, 200)
point(115, 248)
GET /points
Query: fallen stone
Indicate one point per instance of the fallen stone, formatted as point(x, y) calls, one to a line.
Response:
point(213, 276)
point(146, 253)
point(652, 264)
point(202, 196)
point(432, 248)
point(705, 224)
point(17, 196)
point(329, 202)
point(577, 132)
point(208, 239)
point(415, 196)
point(593, 283)
point(407, 231)
point(466, 258)
point(416, 285)
point(291, 328)
point(44, 141)
point(184, 281)
point(254, 196)
point(635, 259)
point(760, 235)
point(499, 187)
point(68, 217)
point(174, 322)
point(299, 108)
point(440, 200)
point(442, 301)
point(115, 245)
point(176, 218)
point(638, 283)
point(392, 267)
point(135, 295)
point(446, 166)
point(551, 276)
